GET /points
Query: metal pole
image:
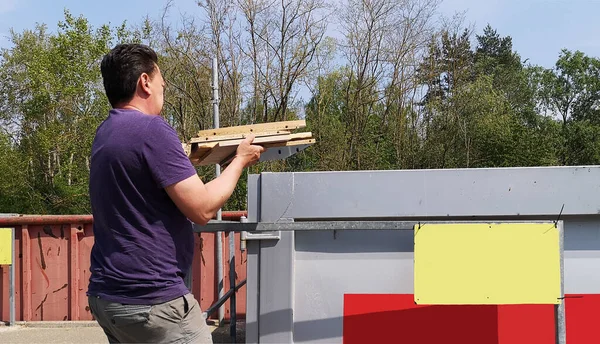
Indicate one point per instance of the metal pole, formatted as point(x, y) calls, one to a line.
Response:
point(11, 292)
point(233, 326)
point(243, 235)
point(215, 87)
point(232, 300)
point(559, 310)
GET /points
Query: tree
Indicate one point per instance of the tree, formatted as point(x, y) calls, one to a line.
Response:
point(53, 105)
point(283, 38)
point(494, 56)
point(445, 70)
point(582, 143)
point(14, 189)
point(572, 88)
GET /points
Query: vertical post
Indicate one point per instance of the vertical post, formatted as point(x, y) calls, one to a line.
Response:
point(219, 235)
point(559, 310)
point(232, 300)
point(243, 235)
point(74, 272)
point(26, 310)
point(11, 287)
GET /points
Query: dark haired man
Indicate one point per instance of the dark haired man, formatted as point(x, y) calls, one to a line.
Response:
point(144, 191)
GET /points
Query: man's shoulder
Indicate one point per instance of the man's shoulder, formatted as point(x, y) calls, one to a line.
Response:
point(159, 130)
point(159, 123)
point(134, 123)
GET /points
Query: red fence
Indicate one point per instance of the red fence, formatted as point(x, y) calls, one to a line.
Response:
point(52, 259)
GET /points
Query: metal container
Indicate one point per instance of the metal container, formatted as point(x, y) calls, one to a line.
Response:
point(52, 259)
point(324, 268)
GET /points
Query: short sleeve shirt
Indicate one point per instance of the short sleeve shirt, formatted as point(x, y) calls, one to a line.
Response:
point(143, 244)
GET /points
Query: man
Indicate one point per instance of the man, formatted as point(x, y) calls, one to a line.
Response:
point(143, 190)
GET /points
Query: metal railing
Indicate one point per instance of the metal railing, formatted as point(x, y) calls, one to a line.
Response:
point(231, 293)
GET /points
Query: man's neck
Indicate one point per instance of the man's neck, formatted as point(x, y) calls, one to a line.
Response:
point(130, 106)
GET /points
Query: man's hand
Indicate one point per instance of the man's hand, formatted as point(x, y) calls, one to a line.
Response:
point(200, 202)
point(247, 152)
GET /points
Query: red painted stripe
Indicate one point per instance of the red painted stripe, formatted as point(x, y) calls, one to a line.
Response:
point(583, 318)
point(526, 324)
point(394, 318)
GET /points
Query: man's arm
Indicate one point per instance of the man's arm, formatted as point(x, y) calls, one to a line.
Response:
point(200, 202)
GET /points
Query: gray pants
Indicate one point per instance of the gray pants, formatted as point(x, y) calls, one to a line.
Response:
point(176, 321)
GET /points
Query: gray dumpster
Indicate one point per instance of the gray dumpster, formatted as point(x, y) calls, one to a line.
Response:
point(328, 234)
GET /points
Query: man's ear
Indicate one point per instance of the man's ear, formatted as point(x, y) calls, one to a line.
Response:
point(145, 83)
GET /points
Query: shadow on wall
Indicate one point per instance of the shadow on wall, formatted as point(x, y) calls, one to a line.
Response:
point(394, 318)
point(354, 242)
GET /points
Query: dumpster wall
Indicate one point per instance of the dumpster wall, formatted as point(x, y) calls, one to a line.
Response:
point(357, 286)
point(52, 256)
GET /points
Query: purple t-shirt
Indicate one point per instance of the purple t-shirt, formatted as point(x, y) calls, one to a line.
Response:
point(143, 244)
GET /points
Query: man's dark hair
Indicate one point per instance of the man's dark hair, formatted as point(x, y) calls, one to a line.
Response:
point(122, 67)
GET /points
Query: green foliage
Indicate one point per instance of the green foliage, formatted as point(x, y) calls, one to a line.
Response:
point(447, 104)
point(582, 143)
point(13, 189)
point(572, 88)
point(54, 103)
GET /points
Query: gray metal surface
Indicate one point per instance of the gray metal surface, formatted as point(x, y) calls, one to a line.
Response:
point(252, 264)
point(254, 195)
point(304, 226)
point(219, 244)
point(317, 266)
point(252, 292)
point(582, 253)
point(559, 310)
point(329, 265)
point(12, 282)
point(233, 299)
point(433, 193)
point(281, 153)
point(280, 188)
point(275, 295)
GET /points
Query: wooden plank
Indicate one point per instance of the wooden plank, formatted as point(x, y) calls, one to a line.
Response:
point(275, 146)
point(206, 139)
point(217, 155)
point(187, 148)
point(258, 140)
point(225, 150)
point(222, 148)
point(290, 143)
point(199, 151)
point(254, 128)
point(268, 139)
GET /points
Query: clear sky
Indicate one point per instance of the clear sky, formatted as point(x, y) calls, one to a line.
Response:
point(539, 28)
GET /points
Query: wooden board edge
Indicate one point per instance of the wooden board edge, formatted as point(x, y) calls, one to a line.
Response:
point(253, 128)
point(258, 140)
point(202, 161)
point(291, 143)
point(238, 136)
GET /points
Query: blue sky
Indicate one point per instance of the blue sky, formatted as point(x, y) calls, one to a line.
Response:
point(539, 28)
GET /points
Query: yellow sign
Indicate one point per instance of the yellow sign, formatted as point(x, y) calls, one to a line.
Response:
point(480, 263)
point(5, 246)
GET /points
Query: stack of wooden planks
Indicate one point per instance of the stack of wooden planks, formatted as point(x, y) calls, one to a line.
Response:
point(218, 146)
